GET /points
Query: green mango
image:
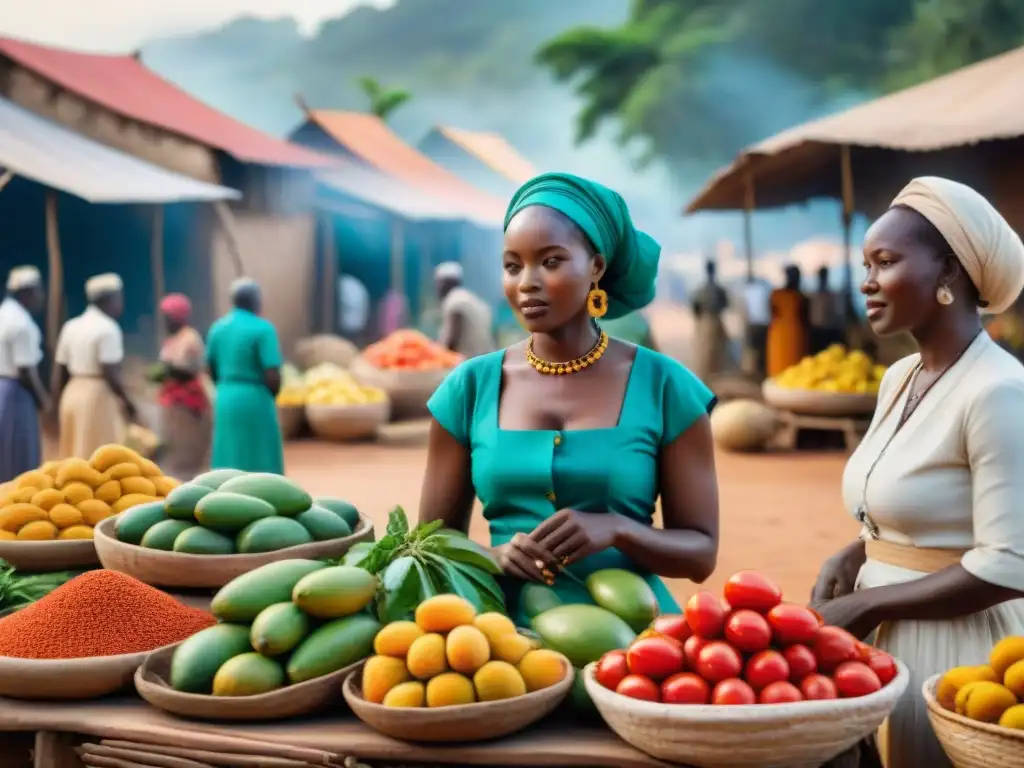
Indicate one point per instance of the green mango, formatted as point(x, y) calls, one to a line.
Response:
point(625, 594)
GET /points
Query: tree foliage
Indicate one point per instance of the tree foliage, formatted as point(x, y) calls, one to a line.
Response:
point(383, 101)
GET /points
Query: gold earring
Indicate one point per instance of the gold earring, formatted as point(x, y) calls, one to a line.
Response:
point(944, 296)
point(597, 302)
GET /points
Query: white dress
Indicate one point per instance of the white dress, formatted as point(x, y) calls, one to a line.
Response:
point(952, 477)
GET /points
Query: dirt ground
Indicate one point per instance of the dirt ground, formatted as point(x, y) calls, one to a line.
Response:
point(781, 514)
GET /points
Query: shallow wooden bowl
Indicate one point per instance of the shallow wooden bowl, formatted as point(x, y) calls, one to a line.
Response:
point(177, 569)
point(151, 681)
point(460, 723)
point(67, 679)
point(50, 555)
point(809, 402)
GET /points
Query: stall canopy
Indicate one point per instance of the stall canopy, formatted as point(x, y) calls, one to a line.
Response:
point(491, 149)
point(124, 85)
point(45, 152)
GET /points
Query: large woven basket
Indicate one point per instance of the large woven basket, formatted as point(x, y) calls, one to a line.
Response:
point(808, 402)
point(805, 734)
point(344, 423)
point(969, 743)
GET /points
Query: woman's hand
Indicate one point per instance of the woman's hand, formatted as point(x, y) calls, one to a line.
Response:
point(571, 536)
point(524, 559)
point(838, 575)
point(853, 612)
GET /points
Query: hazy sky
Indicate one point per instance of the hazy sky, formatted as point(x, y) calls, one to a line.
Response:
point(121, 25)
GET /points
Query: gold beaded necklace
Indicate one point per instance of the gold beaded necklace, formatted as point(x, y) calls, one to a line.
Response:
point(572, 366)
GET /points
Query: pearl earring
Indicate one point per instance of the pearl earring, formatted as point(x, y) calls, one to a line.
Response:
point(944, 296)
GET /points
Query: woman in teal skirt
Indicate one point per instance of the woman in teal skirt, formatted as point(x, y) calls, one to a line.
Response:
point(244, 358)
point(568, 438)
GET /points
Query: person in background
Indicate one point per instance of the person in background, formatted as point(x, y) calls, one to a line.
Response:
point(788, 330)
point(353, 309)
point(22, 397)
point(825, 315)
point(466, 321)
point(185, 422)
point(393, 312)
point(714, 353)
point(87, 381)
point(757, 317)
point(244, 358)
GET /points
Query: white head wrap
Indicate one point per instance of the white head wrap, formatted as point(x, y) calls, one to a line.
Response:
point(20, 278)
point(101, 285)
point(989, 250)
point(448, 270)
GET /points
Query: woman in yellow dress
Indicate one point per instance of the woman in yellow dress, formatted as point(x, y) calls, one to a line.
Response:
point(789, 327)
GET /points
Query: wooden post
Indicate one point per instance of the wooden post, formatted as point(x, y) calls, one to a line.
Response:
point(398, 257)
point(227, 220)
point(331, 274)
point(156, 253)
point(55, 302)
point(846, 170)
point(748, 226)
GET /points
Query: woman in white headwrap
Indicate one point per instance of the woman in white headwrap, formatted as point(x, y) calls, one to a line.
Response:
point(94, 406)
point(938, 481)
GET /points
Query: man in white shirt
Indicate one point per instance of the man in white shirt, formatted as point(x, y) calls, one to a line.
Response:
point(757, 316)
point(353, 308)
point(465, 318)
point(22, 397)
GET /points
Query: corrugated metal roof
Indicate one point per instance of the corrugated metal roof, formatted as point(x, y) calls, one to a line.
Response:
point(971, 105)
point(493, 150)
point(41, 150)
point(369, 139)
point(124, 85)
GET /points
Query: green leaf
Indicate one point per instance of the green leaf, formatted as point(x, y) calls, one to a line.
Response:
point(456, 582)
point(490, 591)
point(398, 524)
point(429, 586)
point(401, 589)
point(380, 555)
point(357, 554)
point(464, 551)
point(421, 532)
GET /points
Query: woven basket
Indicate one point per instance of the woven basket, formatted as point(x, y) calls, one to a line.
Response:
point(808, 402)
point(290, 701)
point(177, 569)
point(969, 743)
point(67, 679)
point(805, 734)
point(459, 723)
point(343, 423)
point(291, 419)
point(43, 556)
point(314, 350)
point(408, 391)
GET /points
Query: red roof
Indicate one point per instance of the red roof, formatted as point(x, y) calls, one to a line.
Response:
point(123, 85)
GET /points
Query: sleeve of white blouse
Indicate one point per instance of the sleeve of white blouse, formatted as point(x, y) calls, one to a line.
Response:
point(995, 450)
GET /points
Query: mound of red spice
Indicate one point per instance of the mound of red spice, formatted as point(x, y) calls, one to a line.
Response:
point(100, 613)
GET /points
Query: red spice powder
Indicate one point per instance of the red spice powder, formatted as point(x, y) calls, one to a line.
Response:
point(100, 613)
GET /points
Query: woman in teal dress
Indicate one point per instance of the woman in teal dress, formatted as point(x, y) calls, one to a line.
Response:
point(568, 438)
point(244, 358)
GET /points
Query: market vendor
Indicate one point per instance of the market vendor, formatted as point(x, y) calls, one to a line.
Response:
point(244, 359)
point(568, 437)
point(466, 322)
point(937, 482)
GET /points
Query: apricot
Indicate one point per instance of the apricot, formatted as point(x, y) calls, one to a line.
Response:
point(1013, 718)
point(380, 675)
point(395, 639)
point(541, 668)
point(426, 658)
point(411, 694)
point(1014, 679)
point(443, 613)
point(497, 680)
point(1005, 654)
point(956, 678)
point(467, 649)
point(511, 648)
point(984, 701)
point(450, 689)
point(494, 624)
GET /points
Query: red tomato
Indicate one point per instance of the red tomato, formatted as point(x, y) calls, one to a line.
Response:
point(748, 631)
point(801, 662)
point(863, 651)
point(749, 589)
point(674, 625)
point(832, 646)
point(855, 678)
point(792, 623)
point(781, 692)
point(883, 665)
point(719, 661)
point(765, 668)
point(692, 648)
point(655, 657)
point(685, 688)
point(705, 614)
point(651, 632)
point(817, 687)
point(638, 687)
point(733, 691)
point(611, 668)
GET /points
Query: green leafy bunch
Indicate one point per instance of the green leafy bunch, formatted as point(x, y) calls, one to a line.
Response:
point(18, 590)
point(416, 564)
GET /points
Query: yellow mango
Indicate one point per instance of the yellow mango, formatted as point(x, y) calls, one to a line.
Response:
point(1013, 718)
point(7, 535)
point(450, 689)
point(380, 675)
point(129, 501)
point(76, 532)
point(78, 471)
point(65, 516)
point(24, 495)
point(75, 493)
point(138, 485)
point(494, 624)
point(498, 680)
point(1005, 654)
point(467, 650)
point(984, 701)
point(541, 669)
point(109, 492)
point(956, 678)
point(35, 479)
point(149, 468)
point(107, 456)
point(443, 613)
point(47, 498)
point(122, 471)
point(427, 657)
point(38, 530)
point(395, 639)
point(164, 485)
point(16, 516)
point(411, 694)
point(51, 468)
point(94, 511)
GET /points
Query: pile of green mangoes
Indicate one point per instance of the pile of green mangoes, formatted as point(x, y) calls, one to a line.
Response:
point(283, 623)
point(226, 512)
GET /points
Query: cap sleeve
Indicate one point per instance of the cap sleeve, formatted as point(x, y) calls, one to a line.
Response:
point(684, 400)
point(451, 405)
point(994, 449)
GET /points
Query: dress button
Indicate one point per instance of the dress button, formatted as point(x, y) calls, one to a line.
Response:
point(550, 495)
point(558, 439)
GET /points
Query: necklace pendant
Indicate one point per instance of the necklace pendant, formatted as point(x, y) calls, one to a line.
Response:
point(869, 524)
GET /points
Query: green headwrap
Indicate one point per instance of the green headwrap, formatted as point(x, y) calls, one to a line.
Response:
point(631, 255)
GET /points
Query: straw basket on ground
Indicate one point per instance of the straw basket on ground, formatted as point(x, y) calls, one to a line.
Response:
point(291, 419)
point(346, 423)
point(408, 391)
point(809, 402)
point(969, 743)
point(804, 734)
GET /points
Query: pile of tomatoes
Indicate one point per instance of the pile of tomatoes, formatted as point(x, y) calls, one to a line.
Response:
point(748, 648)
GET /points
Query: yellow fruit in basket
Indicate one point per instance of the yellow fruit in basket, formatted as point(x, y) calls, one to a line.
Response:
point(24, 495)
point(395, 639)
point(35, 479)
point(6, 501)
point(16, 516)
point(956, 678)
point(411, 694)
point(1005, 654)
point(76, 532)
point(380, 675)
point(51, 468)
point(65, 516)
point(7, 535)
point(47, 498)
point(94, 511)
point(78, 471)
point(449, 690)
point(443, 613)
point(164, 485)
point(467, 650)
point(1013, 718)
point(142, 485)
point(494, 624)
point(149, 467)
point(427, 658)
point(107, 456)
point(511, 648)
point(129, 501)
point(109, 492)
point(38, 530)
point(984, 701)
point(75, 493)
point(122, 471)
point(497, 680)
point(541, 669)
point(1014, 679)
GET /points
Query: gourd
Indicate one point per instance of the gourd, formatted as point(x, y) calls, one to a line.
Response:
point(743, 425)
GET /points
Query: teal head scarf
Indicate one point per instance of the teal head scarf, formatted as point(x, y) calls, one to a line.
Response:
point(631, 255)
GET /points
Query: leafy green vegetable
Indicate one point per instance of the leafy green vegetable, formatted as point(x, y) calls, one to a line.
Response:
point(17, 591)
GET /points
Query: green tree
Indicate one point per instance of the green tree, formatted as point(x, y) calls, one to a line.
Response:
point(383, 101)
